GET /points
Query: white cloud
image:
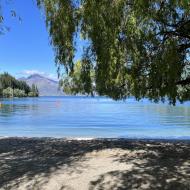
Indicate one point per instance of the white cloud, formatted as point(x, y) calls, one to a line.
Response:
point(32, 72)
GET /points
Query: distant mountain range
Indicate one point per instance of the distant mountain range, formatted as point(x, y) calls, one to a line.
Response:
point(46, 86)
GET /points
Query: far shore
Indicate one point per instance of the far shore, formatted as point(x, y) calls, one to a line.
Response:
point(94, 164)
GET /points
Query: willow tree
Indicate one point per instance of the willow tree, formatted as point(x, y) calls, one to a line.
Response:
point(136, 47)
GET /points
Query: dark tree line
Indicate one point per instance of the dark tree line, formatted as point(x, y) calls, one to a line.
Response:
point(11, 87)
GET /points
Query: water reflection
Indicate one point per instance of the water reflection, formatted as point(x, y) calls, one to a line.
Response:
point(7, 110)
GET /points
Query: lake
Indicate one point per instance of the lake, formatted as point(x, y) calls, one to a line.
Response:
point(93, 117)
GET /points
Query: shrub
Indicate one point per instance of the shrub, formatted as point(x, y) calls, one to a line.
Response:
point(32, 94)
point(8, 92)
point(19, 93)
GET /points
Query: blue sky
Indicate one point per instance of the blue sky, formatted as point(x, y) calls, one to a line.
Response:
point(25, 49)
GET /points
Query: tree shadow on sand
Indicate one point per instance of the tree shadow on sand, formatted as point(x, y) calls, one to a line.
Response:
point(156, 165)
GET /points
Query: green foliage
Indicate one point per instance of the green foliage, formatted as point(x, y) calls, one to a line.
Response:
point(1, 89)
point(19, 93)
point(22, 85)
point(8, 92)
point(10, 87)
point(31, 94)
point(7, 80)
point(78, 82)
point(138, 48)
point(34, 91)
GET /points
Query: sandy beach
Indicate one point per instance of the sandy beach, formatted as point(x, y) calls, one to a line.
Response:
point(96, 164)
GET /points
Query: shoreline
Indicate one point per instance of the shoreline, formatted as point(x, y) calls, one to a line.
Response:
point(93, 164)
point(99, 139)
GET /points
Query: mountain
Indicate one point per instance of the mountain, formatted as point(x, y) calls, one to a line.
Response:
point(46, 86)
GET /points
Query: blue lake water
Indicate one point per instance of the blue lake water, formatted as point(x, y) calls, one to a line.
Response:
point(93, 117)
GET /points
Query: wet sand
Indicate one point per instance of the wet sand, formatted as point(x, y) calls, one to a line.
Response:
point(96, 164)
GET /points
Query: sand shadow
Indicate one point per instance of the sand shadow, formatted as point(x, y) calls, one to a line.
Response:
point(156, 165)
